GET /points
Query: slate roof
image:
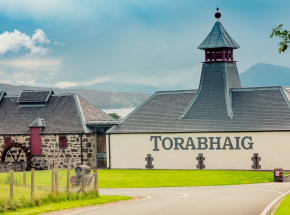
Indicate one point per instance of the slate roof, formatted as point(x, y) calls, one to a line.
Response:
point(219, 105)
point(218, 38)
point(61, 114)
point(35, 95)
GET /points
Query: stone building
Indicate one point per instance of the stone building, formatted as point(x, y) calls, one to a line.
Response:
point(220, 125)
point(42, 130)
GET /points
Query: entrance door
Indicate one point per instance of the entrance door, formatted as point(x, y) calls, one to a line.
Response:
point(101, 150)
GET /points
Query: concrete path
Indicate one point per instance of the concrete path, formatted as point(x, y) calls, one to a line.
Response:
point(237, 199)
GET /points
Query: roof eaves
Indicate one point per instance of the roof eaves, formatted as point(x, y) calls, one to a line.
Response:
point(175, 91)
point(256, 88)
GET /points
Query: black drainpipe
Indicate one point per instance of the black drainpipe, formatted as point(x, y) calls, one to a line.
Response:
point(81, 136)
point(109, 152)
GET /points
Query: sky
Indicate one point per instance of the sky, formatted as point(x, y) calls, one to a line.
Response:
point(52, 43)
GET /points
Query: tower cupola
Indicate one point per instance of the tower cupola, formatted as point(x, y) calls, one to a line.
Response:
point(218, 45)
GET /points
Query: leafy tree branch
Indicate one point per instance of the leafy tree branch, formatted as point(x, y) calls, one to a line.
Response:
point(284, 35)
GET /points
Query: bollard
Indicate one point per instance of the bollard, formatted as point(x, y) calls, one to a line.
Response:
point(32, 183)
point(11, 184)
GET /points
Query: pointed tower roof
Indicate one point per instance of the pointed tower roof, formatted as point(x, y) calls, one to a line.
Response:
point(218, 38)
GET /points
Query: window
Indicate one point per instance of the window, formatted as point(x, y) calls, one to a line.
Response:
point(7, 141)
point(63, 142)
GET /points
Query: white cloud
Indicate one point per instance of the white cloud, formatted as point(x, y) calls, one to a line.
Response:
point(65, 84)
point(14, 41)
point(25, 78)
point(31, 63)
point(59, 43)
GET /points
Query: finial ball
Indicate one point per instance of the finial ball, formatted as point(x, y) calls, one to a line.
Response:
point(217, 14)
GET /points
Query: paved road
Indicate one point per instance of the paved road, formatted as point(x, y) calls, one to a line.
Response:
point(237, 199)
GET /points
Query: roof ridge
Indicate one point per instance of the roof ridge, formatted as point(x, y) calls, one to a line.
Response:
point(81, 114)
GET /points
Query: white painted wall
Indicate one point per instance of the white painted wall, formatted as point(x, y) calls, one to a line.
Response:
point(130, 150)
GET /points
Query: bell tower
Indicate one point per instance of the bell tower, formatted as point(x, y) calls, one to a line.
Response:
point(219, 74)
point(218, 45)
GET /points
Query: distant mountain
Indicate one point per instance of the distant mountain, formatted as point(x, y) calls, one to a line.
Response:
point(265, 75)
point(101, 99)
point(119, 87)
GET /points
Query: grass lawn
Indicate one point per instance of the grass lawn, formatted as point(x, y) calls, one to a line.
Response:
point(114, 178)
point(66, 205)
point(284, 207)
point(179, 178)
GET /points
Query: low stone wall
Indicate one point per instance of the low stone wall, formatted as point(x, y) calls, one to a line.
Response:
point(17, 166)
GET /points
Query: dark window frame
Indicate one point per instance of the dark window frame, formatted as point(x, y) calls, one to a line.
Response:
point(61, 139)
point(7, 141)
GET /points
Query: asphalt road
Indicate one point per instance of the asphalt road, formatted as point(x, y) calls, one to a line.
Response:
point(237, 199)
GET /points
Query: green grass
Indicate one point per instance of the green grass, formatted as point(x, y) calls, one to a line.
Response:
point(179, 178)
point(284, 207)
point(114, 178)
point(66, 205)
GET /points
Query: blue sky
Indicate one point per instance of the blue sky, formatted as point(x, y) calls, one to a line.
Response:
point(65, 43)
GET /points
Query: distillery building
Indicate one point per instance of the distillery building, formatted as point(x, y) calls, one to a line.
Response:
point(220, 125)
point(43, 130)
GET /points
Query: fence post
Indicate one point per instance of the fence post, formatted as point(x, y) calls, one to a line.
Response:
point(56, 181)
point(96, 186)
point(32, 183)
point(11, 184)
point(83, 181)
point(24, 178)
point(52, 180)
point(67, 180)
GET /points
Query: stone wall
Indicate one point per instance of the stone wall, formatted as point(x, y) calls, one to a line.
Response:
point(52, 154)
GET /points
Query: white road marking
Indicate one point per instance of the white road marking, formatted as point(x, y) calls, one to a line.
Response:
point(265, 211)
point(183, 195)
point(100, 206)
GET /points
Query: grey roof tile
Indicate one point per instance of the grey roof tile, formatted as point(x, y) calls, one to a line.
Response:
point(207, 110)
point(60, 114)
point(218, 38)
point(35, 95)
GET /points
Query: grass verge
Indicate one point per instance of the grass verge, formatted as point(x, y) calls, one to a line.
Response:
point(55, 206)
point(284, 207)
point(116, 178)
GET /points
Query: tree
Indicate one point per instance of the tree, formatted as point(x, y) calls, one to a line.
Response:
point(115, 115)
point(284, 35)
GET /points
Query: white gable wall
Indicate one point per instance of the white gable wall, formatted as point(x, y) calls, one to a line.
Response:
point(129, 150)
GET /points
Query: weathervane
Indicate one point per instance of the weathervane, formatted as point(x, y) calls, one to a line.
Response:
point(217, 14)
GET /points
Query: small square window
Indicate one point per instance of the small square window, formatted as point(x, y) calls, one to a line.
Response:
point(7, 141)
point(62, 142)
